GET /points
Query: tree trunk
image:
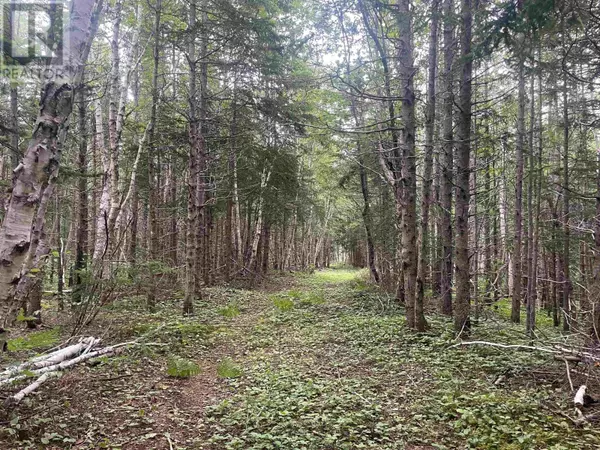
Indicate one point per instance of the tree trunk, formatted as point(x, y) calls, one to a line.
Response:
point(152, 188)
point(102, 230)
point(429, 137)
point(531, 219)
point(447, 160)
point(14, 125)
point(231, 230)
point(406, 70)
point(82, 186)
point(595, 292)
point(462, 302)
point(41, 160)
point(192, 291)
point(566, 278)
point(515, 315)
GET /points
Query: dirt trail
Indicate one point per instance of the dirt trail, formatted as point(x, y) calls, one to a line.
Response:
point(313, 362)
point(129, 402)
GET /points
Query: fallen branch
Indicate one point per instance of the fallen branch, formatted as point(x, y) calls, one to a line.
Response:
point(50, 359)
point(590, 418)
point(71, 362)
point(571, 381)
point(570, 358)
point(16, 399)
point(507, 346)
point(559, 352)
point(51, 365)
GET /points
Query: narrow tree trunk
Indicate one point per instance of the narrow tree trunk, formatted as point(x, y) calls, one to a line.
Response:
point(566, 278)
point(503, 206)
point(447, 160)
point(231, 249)
point(531, 249)
point(15, 152)
point(515, 315)
point(264, 181)
point(82, 186)
point(102, 230)
point(173, 231)
point(426, 196)
point(114, 125)
point(595, 292)
point(414, 309)
point(60, 260)
point(202, 183)
point(152, 188)
point(366, 212)
point(266, 248)
point(391, 160)
point(191, 292)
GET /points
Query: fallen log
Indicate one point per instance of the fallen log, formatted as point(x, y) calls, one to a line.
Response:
point(50, 359)
point(51, 365)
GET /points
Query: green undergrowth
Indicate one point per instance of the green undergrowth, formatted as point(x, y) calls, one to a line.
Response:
point(344, 372)
point(326, 363)
point(503, 308)
point(229, 369)
point(288, 409)
point(36, 340)
point(182, 368)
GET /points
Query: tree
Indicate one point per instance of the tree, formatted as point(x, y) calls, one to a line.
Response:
point(462, 303)
point(36, 173)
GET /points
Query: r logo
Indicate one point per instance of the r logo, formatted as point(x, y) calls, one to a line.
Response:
point(32, 32)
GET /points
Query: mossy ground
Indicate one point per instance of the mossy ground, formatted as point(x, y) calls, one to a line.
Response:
point(309, 361)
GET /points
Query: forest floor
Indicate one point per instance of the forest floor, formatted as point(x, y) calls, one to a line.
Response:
point(307, 361)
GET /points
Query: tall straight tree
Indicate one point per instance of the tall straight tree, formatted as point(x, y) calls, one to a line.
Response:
point(566, 277)
point(447, 159)
point(426, 196)
point(463, 155)
point(152, 194)
point(515, 315)
point(415, 317)
point(191, 292)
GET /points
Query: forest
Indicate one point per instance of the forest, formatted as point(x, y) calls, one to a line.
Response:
point(300, 224)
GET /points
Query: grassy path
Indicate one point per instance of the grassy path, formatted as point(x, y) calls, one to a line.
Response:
point(313, 362)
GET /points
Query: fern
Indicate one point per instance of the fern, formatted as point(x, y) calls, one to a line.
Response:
point(283, 304)
point(182, 368)
point(21, 317)
point(295, 294)
point(230, 311)
point(228, 369)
